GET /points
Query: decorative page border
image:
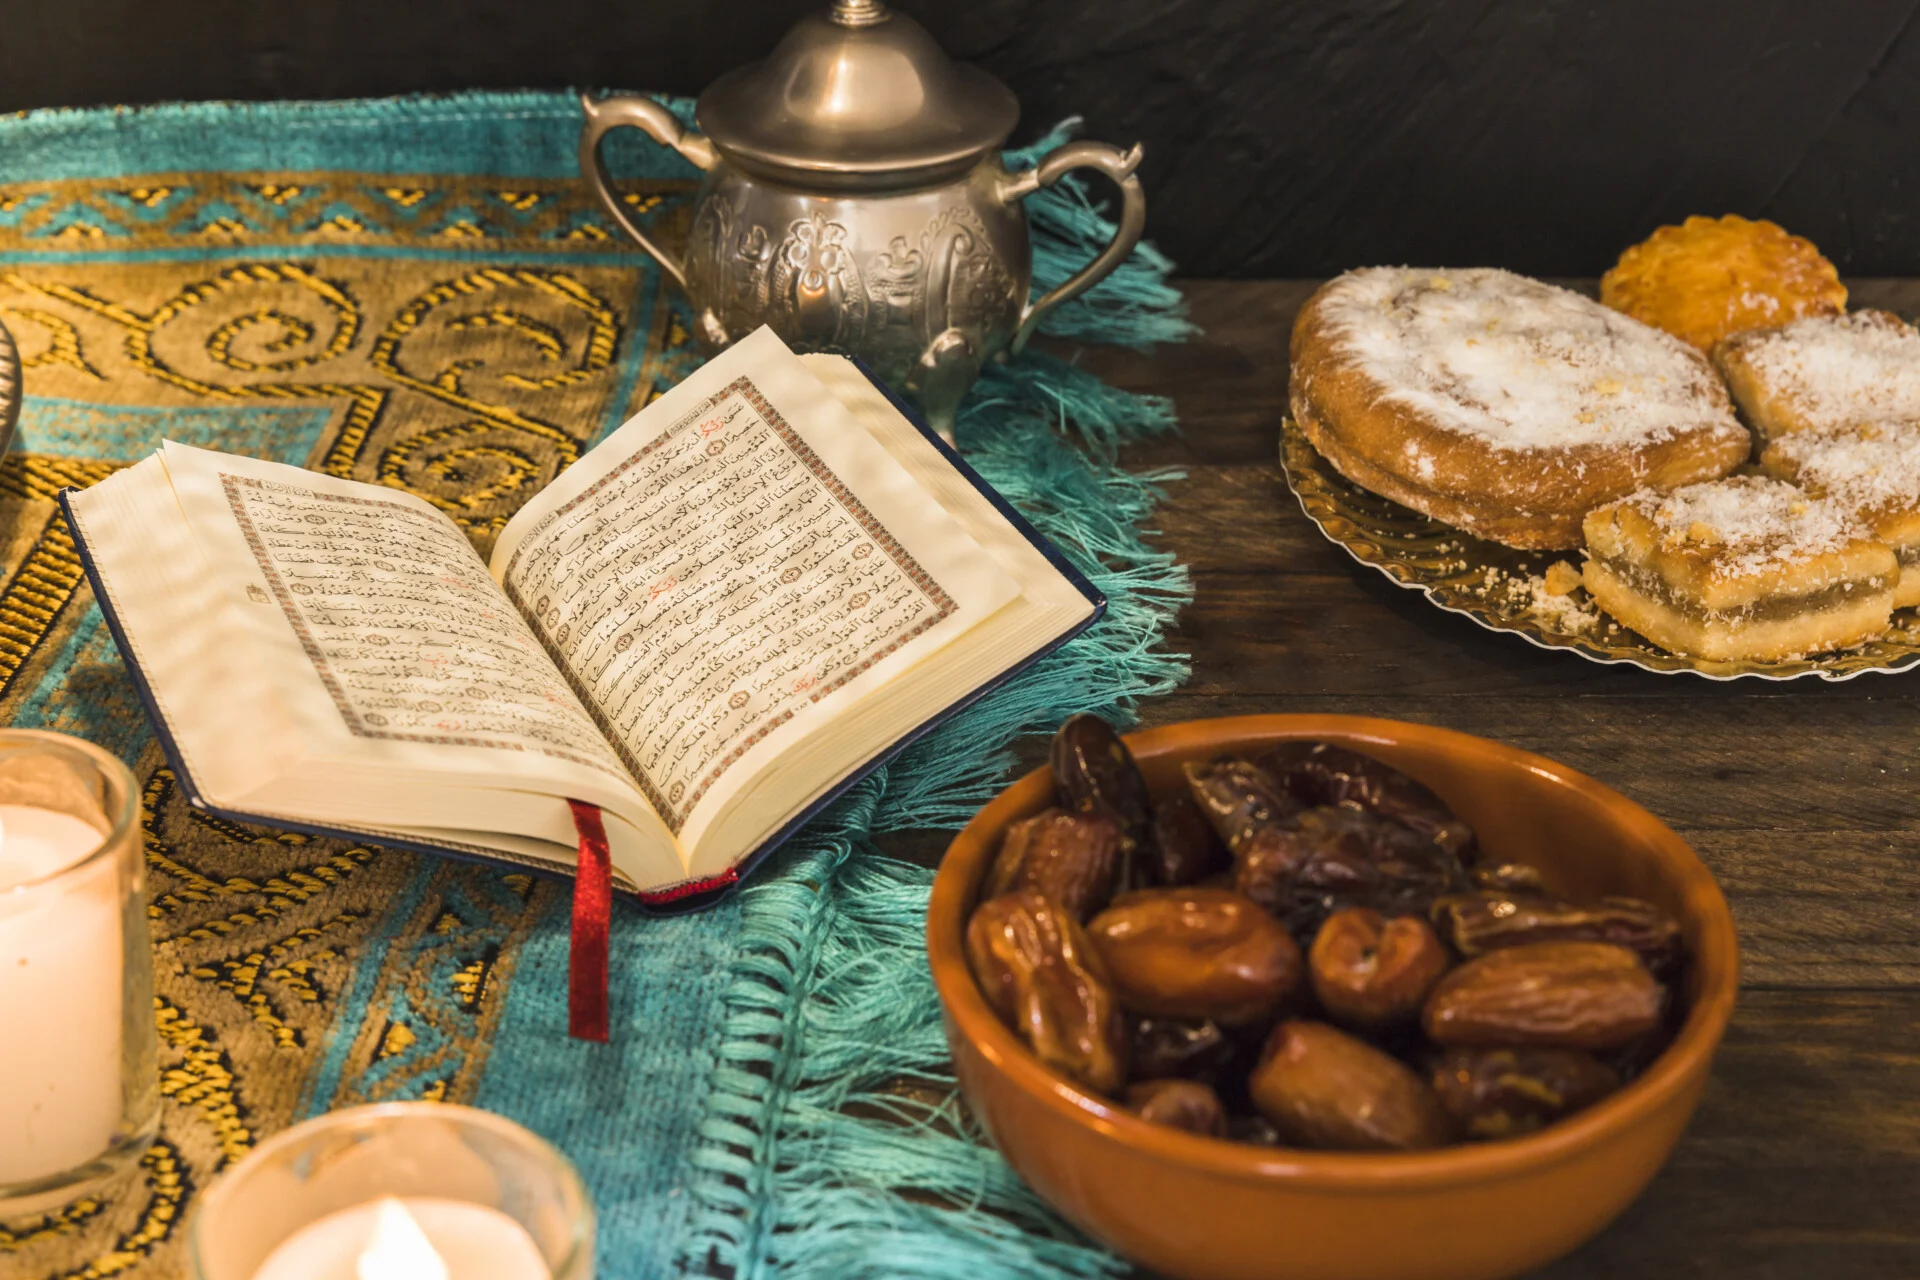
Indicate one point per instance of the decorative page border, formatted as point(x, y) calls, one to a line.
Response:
point(944, 605)
point(291, 609)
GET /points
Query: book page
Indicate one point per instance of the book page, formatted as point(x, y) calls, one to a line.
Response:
point(406, 644)
point(732, 566)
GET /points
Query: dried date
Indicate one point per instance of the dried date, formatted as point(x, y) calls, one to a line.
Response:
point(1238, 798)
point(1509, 877)
point(1322, 860)
point(1196, 953)
point(1071, 858)
point(1373, 973)
point(1325, 773)
point(1564, 995)
point(1040, 974)
point(1179, 1104)
point(1321, 1087)
point(1183, 1048)
point(1476, 923)
point(1186, 849)
point(1094, 773)
point(1502, 1093)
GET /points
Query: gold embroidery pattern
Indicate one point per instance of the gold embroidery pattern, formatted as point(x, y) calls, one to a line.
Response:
point(465, 339)
point(38, 590)
point(344, 209)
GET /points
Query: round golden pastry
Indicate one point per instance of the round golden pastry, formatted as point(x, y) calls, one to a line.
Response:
point(1501, 405)
point(1709, 278)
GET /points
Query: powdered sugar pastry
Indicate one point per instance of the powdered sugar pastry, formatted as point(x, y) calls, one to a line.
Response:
point(1749, 523)
point(1518, 363)
point(1841, 370)
point(1870, 467)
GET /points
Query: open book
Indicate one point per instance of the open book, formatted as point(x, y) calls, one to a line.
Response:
point(747, 596)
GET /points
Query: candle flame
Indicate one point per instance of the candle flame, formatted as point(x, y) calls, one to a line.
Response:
point(399, 1249)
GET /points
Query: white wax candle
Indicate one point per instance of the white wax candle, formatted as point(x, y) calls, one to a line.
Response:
point(60, 982)
point(411, 1238)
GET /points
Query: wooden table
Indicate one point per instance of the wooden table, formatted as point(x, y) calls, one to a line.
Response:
point(1804, 1158)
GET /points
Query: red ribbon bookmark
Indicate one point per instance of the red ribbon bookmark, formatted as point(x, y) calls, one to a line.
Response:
point(592, 920)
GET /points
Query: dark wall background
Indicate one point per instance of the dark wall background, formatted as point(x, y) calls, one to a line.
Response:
point(1290, 138)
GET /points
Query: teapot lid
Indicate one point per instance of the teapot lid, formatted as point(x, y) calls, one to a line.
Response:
point(857, 95)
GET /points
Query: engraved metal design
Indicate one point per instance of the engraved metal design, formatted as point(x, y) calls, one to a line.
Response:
point(815, 283)
point(1492, 584)
point(964, 285)
point(820, 289)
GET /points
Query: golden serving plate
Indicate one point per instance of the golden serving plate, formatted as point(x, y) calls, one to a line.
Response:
point(1503, 589)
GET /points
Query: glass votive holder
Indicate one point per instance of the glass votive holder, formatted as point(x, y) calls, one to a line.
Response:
point(79, 1077)
point(397, 1191)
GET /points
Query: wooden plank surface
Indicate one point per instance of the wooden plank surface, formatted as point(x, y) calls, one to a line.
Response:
point(1804, 1159)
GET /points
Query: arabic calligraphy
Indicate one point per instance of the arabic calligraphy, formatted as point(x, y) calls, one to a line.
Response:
point(405, 627)
point(714, 584)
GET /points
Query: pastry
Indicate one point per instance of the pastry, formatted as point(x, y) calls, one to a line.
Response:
point(1711, 277)
point(1824, 372)
point(1873, 472)
point(1747, 567)
point(1501, 405)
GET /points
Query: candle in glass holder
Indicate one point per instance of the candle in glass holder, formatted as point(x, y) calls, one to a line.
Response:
point(59, 996)
point(78, 1080)
point(398, 1191)
point(418, 1238)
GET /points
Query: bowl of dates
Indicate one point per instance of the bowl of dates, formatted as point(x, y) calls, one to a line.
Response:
point(1328, 998)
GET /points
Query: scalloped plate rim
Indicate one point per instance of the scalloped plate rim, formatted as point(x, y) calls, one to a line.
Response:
point(1539, 637)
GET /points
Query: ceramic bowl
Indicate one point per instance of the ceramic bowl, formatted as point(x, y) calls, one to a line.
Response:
point(1194, 1207)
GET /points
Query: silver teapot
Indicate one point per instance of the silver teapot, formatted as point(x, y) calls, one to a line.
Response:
point(855, 201)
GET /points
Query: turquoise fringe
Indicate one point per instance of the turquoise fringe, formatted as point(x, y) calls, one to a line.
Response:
point(813, 1160)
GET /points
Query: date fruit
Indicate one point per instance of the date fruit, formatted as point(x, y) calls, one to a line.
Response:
point(1373, 973)
point(1179, 1104)
point(1502, 1093)
point(1069, 857)
point(1325, 773)
point(1095, 774)
point(1476, 923)
point(1039, 973)
point(1321, 860)
point(1186, 849)
point(1238, 798)
point(1167, 1048)
point(1323, 1088)
point(1564, 995)
point(1509, 877)
point(1196, 953)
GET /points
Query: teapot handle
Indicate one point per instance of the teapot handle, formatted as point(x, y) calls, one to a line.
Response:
point(657, 123)
point(1116, 164)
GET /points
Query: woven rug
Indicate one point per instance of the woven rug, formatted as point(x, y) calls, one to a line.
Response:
point(421, 293)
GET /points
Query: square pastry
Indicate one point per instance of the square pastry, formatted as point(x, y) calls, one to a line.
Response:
point(1748, 567)
point(1871, 470)
point(1823, 373)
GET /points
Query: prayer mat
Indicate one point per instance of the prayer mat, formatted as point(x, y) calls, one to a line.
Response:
point(421, 293)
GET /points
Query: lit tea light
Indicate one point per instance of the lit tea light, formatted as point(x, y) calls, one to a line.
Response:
point(396, 1191)
point(415, 1238)
point(400, 1250)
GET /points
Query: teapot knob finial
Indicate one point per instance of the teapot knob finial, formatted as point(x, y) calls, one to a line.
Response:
point(858, 13)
